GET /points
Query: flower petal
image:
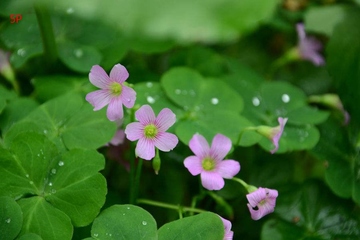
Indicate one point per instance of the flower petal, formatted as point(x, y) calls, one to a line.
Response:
point(118, 138)
point(166, 141)
point(278, 132)
point(119, 73)
point(212, 180)
point(199, 146)
point(300, 31)
point(227, 227)
point(193, 164)
point(115, 109)
point(134, 131)
point(220, 146)
point(98, 77)
point(228, 168)
point(145, 115)
point(165, 119)
point(98, 98)
point(128, 96)
point(255, 197)
point(145, 149)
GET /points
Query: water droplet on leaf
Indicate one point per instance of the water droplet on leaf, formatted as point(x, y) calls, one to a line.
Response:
point(50, 184)
point(285, 98)
point(53, 191)
point(144, 223)
point(31, 182)
point(78, 53)
point(61, 163)
point(184, 92)
point(53, 171)
point(21, 52)
point(45, 131)
point(150, 99)
point(8, 220)
point(214, 101)
point(177, 91)
point(256, 101)
point(149, 84)
point(70, 11)
point(27, 175)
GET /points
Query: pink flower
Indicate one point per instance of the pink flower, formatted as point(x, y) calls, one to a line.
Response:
point(261, 202)
point(309, 47)
point(118, 138)
point(273, 133)
point(209, 163)
point(227, 226)
point(113, 91)
point(150, 131)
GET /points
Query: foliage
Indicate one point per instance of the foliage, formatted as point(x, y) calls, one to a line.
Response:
point(222, 66)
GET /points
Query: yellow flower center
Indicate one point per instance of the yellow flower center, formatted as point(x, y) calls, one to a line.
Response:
point(208, 164)
point(116, 88)
point(150, 131)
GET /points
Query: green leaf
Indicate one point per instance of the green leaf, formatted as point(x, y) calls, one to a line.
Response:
point(323, 19)
point(25, 166)
point(69, 182)
point(202, 226)
point(309, 212)
point(12, 114)
point(341, 160)
point(76, 190)
point(151, 93)
point(5, 95)
point(11, 218)
point(124, 222)
point(78, 57)
point(307, 115)
point(343, 62)
point(49, 87)
point(69, 121)
point(164, 20)
point(209, 106)
point(30, 236)
point(44, 220)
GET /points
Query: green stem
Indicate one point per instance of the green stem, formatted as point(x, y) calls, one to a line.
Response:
point(242, 133)
point(47, 32)
point(170, 206)
point(249, 188)
point(134, 179)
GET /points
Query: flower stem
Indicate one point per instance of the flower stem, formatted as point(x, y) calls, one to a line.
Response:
point(47, 33)
point(170, 206)
point(242, 133)
point(221, 202)
point(135, 179)
point(248, 187)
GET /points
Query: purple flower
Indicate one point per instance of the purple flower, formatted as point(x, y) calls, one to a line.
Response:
point(118, 138)
point(309, 47)
point(261, 202)
point(150, 131)
point(113, 91)
point(209, 163)
point(273, 133)
point(227, 226)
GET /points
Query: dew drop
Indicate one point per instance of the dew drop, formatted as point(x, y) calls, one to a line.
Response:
point(53, 171)
point(149, 84)
point(53, 191)
point(144, 223)
point(256, 101)
point(50, 184)
point(128, 100)
point(38, 155)
point(31, 182)
point(70, 11)
point(110, 234)
point(78, 53)
point(96, 235)
point(8, 220)
point(197, 108)
point(45, 131)
point(214, 101)
point(192, 93)
point(21, 52)
point(150, 99)
point(128, 208)
point(285, 98)
point(177, 91)
point(61, 163)
point(27, 175)
point(184, 92)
